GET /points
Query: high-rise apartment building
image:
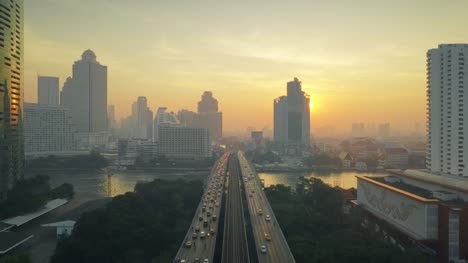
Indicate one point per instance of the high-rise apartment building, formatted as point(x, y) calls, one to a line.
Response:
point(85, 94)
point(47, 129)
point(11, 93)
point(447, 111)
point(48, 91)
point(143, 118)
point(292, 115)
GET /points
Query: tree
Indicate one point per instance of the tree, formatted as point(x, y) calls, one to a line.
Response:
point(22, 258)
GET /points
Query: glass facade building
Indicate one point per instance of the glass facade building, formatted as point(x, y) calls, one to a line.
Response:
point(11, 93)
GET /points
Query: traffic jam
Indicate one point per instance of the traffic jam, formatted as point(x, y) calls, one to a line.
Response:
point(205, 225)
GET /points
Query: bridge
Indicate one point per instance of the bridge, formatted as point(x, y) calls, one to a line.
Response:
point(234, 222)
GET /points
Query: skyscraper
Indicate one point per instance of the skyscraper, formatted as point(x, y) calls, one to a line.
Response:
point(143, 118)
point(86, 94)
point(208, 115)
point(292, 115)
point(447, 118)
point(111, 116)
point(11, 93)
point(48, 91)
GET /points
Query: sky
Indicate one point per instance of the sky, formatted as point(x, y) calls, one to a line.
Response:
point(360, 60)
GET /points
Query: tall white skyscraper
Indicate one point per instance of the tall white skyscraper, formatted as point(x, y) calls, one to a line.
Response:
point(48, 91)
point(447, 116)
point(86, 94)
point(292, 115)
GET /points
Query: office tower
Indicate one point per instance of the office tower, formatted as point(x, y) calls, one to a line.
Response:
point(11, 94)
point(280, 129)
point(47, 129)
point(86, 94)
point(48, 91)
point(447, 125)
point(208, 103)
point(143, 119)
point(208, 115)
point(292, 115)
point(111, 116)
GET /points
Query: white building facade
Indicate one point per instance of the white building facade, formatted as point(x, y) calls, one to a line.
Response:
point(47, 129)
point(183, 142)
point(447, 118)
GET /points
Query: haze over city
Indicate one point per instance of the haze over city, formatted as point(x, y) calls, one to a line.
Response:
point(349, 57)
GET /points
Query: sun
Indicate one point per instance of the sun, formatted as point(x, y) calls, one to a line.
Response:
point(311, 105)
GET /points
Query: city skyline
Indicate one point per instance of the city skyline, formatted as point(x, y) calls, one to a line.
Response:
point(344, 74)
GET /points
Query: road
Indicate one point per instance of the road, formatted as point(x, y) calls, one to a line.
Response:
point(235, 248)
point(277, 249)
point(204, 247)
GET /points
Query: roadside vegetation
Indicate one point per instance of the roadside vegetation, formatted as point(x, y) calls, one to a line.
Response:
point(317, 229)
point(147, 225)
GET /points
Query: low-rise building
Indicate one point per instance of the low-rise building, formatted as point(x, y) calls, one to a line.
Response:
point(397, 157)
point(428, 209)
point(346, 160)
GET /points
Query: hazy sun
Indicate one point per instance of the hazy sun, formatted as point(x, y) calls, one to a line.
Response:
point(311, 105)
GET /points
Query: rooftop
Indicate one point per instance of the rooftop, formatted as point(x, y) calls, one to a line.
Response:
point(21, 220)
point(10, 240)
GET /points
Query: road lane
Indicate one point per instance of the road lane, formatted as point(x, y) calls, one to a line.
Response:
point(277, 249)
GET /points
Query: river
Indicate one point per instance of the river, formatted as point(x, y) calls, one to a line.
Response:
point(94, 185)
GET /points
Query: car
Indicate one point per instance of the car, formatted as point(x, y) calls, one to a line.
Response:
point(206, 260)
point(182, 261)
point(194, 235)
point(208, 213)
point(203, 208)
point(197, 228)
point(212, 231)
point(214, 217)
point(200, 218)
point(250, 195)
point(267, 237)
point(202, 234)
point(217, 204)
point(205, 223)
point(196, 260)
point(268, 218)
point(263, 249)
point(260, 211)
point(188, 244)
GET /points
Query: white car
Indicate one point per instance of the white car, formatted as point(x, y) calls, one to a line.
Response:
point(268, 218)
point(205, 260)
point(263, 249)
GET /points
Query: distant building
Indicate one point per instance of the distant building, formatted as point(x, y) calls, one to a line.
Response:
point(358, 130)
point(292, 116)
point(143, 119)
point(394, 157)
point(447, 121)
point(186, 117)
point(428, 209)
point(111, 116)
point(183, 142)
point(384, 130)
point(47, 129)
point(346, 160)
point(163, 118)
point(208, 116)
point(11, 94)
point(48, 91)
point(85, 94)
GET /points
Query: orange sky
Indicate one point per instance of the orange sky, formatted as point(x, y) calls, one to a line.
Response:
point(361, 63)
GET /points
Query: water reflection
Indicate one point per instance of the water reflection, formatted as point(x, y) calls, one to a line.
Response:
point(93, 185)
point(342, 179)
